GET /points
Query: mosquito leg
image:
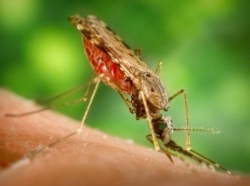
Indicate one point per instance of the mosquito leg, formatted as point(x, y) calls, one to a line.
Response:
point(188, 141)
point(127, 102)
point(45, 102)
point(158, 68)
point(92, 81)
point(54, 98)
point(155, 142)
point(33, 153)
point(79, 130)
point(46, 108)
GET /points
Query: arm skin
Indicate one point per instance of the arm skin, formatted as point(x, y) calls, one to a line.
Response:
point(91, 158)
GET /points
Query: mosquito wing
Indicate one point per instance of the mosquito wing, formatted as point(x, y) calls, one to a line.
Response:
point(105, 39)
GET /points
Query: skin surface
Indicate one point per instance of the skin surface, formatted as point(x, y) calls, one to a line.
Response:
point(91, 158)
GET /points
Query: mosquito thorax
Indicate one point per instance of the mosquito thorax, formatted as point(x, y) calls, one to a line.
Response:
point(154, 90)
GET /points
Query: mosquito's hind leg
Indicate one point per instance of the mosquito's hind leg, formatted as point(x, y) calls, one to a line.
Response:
point(33, 153)
point(79, 130)
point(84, 98)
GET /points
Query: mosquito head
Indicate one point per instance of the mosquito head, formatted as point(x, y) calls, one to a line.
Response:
point(163, 126)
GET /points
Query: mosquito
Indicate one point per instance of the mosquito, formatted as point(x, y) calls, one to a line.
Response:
point(143, 92)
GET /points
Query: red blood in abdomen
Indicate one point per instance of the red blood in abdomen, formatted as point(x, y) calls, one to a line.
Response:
point(109, 72)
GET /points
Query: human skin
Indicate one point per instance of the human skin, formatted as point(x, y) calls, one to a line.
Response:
point(89, 158)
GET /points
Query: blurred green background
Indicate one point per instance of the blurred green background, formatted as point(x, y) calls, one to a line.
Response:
point(204, 46)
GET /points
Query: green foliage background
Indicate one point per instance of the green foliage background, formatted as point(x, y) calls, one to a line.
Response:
point(204, 46)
